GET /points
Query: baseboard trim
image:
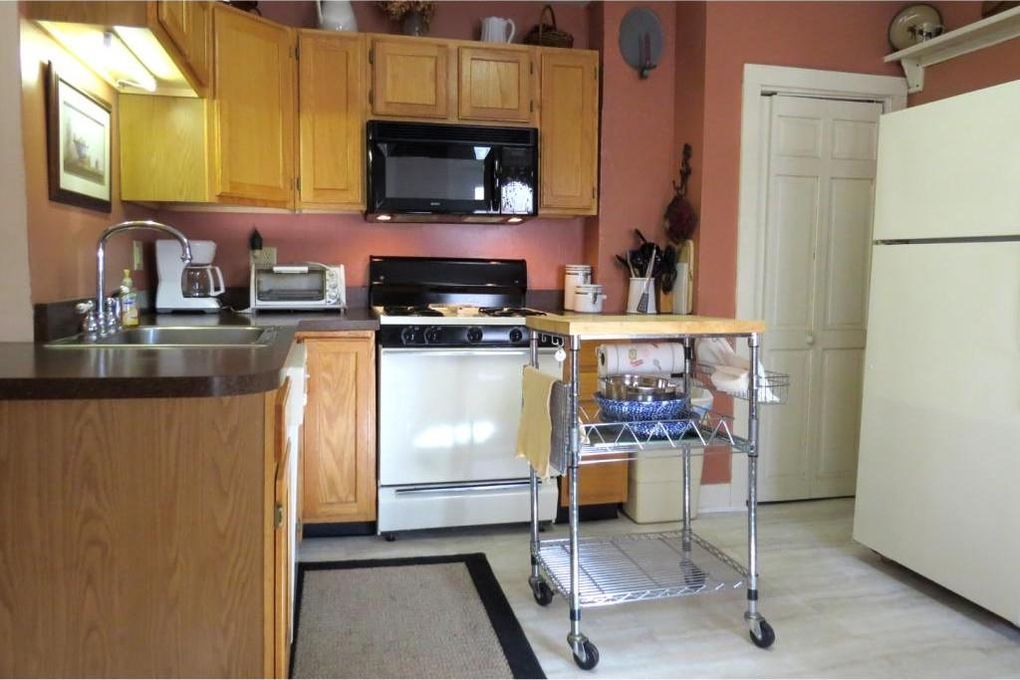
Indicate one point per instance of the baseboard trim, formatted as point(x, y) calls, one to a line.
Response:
point(329, 529)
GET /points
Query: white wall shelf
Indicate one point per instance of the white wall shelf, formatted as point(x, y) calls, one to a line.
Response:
point(970, 38)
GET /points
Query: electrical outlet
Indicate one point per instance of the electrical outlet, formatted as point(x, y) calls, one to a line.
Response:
point(136, 251)
point(264, 258)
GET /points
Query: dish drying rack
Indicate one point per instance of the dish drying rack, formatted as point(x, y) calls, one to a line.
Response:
point(600, 571)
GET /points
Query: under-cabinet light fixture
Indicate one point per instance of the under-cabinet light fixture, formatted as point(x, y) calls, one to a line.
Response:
point(105, 52)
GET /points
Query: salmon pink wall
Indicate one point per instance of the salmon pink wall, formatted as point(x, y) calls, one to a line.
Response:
point(457, 20)
point(836, 36)
point(839, 36)
point(62, 238)
point(637, 152)
point(350, 240)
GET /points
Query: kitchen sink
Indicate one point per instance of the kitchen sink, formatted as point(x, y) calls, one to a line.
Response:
point(150, 337)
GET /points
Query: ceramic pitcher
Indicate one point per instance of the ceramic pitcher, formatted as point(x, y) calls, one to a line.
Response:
point(498, 29)
point(336, 15)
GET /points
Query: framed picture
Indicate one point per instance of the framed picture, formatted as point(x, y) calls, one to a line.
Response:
point(78, 145)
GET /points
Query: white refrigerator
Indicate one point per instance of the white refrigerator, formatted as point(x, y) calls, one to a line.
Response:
point(938, 486)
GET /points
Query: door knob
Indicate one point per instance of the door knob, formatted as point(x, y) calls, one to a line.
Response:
point(810, 339)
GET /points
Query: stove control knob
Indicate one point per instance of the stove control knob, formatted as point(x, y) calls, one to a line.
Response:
point(432, 335)
point(407, 335)
point(516, 335)
point(474, 335)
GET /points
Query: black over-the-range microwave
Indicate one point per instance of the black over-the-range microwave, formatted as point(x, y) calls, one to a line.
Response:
point(425, 172)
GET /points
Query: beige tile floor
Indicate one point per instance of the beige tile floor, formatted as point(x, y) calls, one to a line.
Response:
point(838, 609)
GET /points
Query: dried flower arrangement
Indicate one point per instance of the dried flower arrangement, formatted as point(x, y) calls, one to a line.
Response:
point(397, 9)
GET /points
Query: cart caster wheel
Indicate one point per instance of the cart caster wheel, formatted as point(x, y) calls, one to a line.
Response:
point(768, 636)
point(591, 656)
point(542, 593)
point(389, 538)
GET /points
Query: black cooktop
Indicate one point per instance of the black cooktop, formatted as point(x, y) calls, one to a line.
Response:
point(509, 311)
point(410, 310)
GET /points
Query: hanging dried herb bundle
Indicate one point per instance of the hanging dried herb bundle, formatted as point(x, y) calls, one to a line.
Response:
point(681, 220)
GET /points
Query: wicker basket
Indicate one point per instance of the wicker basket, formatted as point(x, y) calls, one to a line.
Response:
point(548, 35)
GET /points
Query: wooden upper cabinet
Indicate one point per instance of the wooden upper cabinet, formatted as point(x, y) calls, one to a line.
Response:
point(255, 109)
point(495, 85)
point(331, 108)
point(188, 23)
point(569, 132)
point(338, 446)
point(410, 78)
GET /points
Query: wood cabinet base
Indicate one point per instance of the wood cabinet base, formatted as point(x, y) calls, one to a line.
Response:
point(338, 463)
point(137, 538)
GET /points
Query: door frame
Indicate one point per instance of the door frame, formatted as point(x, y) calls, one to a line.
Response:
point(890, 91)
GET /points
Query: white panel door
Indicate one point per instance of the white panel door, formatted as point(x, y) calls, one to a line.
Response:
point(939, 474)
point(818, 243)
point(951, 168)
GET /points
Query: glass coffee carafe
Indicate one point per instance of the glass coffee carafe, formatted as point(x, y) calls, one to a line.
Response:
point(202, 281)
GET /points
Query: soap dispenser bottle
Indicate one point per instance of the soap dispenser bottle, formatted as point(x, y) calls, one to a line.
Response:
point(128, 301)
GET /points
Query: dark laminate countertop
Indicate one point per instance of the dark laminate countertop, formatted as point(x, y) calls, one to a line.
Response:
point(33, 371)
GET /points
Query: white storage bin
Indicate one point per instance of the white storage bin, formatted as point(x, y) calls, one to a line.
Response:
point(656, 491)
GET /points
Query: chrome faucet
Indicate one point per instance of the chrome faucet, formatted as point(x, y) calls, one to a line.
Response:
point(102, 317)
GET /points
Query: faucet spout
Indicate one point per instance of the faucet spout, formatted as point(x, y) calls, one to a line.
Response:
point(105, 324)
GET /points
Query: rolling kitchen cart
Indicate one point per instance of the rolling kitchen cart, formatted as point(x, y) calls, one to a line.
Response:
point(600, 571)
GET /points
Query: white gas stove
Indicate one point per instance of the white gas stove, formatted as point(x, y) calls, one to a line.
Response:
point(452, 342)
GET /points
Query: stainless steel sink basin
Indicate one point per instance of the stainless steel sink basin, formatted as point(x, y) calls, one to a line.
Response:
point(149, 337)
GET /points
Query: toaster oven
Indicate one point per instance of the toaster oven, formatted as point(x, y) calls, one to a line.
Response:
point(298, 286)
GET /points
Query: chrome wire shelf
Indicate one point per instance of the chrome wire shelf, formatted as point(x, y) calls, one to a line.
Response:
point(773, 387)
point(606, 442)
point(639, 567)
point(637, 437)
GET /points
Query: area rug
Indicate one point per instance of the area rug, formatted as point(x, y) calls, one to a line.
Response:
point(422, 617)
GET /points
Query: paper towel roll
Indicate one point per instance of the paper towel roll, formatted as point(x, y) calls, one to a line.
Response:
point(643, 358)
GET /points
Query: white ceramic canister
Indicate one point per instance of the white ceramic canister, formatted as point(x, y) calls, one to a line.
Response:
point(589, 298)
point(575, 274)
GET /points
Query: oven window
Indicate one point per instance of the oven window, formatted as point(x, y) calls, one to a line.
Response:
point(449, 172)
point(275, 287)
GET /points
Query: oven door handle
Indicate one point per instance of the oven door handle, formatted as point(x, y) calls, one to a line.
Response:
point(465, 488)
point(467, 351)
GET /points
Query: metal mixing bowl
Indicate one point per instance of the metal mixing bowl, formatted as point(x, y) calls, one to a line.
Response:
point(629, 387)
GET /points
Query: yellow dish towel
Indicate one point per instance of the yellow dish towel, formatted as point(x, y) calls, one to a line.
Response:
point(535, 429)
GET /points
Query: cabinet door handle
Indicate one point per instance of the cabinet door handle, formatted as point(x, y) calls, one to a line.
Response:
point(278, 516)
point(810, 339)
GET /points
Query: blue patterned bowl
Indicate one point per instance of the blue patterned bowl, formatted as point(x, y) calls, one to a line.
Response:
point(618, 410)
point(673, 429)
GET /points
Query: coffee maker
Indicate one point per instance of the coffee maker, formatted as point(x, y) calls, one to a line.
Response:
point(194, 286)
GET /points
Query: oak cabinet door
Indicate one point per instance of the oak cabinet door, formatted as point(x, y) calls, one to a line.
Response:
point(255, 104)
point(495, 85)
point(187, 22)
point(568, 141)
point(338, 452)
point(332, 118)
point(410, 78)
